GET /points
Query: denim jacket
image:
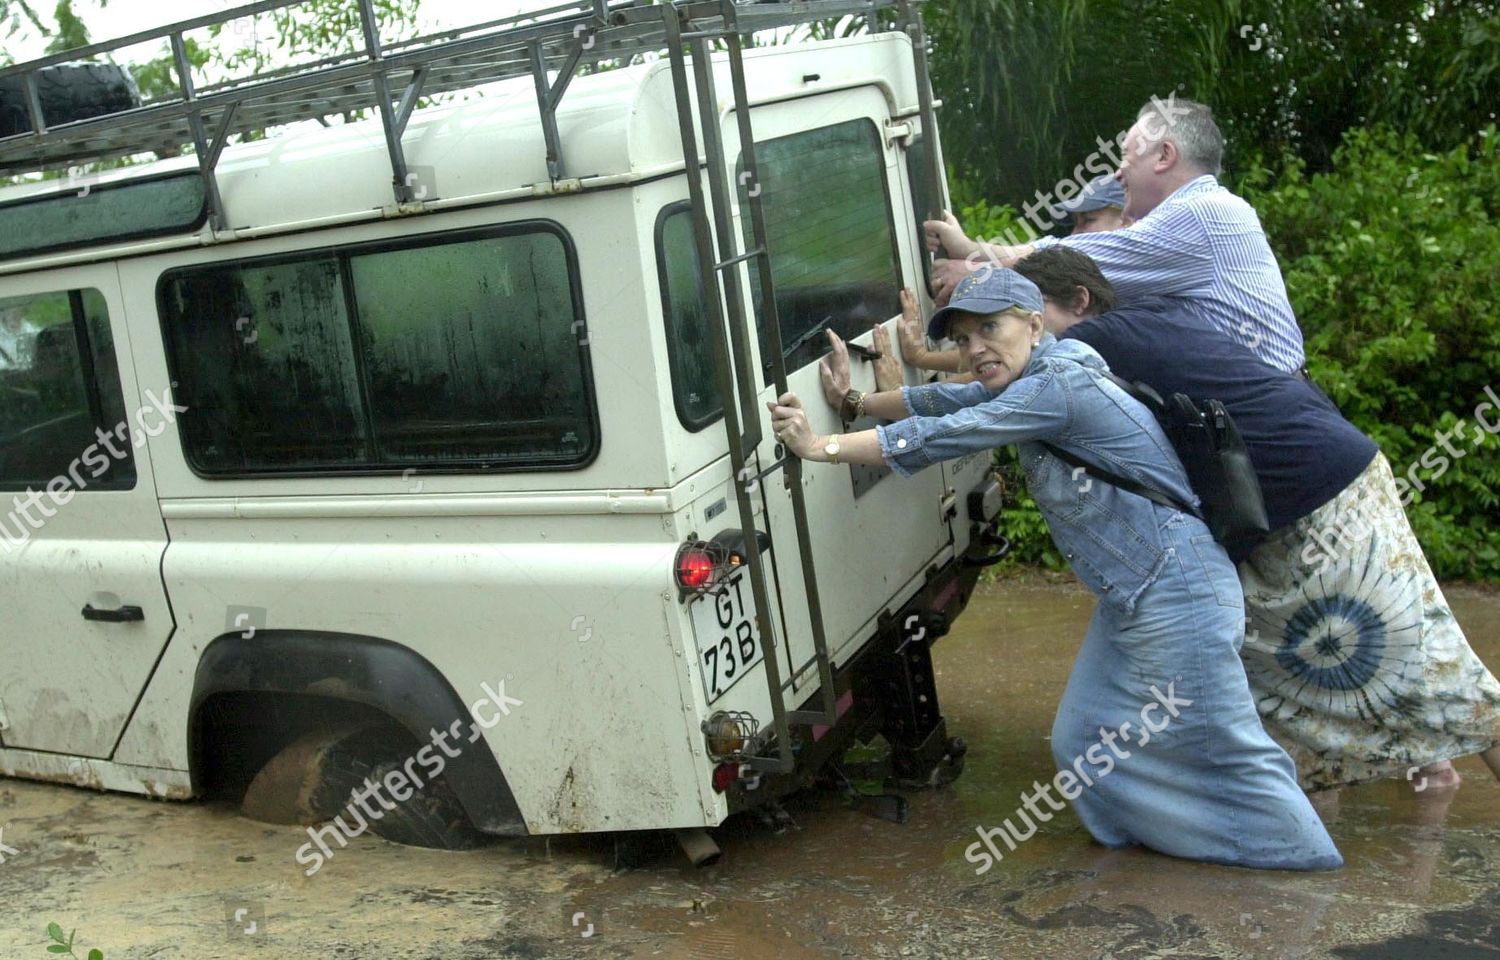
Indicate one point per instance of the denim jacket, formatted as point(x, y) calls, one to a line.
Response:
point(1112, 539)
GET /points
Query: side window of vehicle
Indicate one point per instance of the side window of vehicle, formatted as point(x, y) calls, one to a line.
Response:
point(102, 213)
point(828, 222)
point(459, 352)
point(62, 414)
point(690, 352)
point(471, 351)
point(264, 362)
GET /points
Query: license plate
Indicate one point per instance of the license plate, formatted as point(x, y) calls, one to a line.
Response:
point(728, 643)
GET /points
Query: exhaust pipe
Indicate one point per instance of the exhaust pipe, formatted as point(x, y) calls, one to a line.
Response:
point(698, 845)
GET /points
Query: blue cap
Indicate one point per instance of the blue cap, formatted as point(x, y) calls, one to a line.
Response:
point(1101, 192)
point(989, 289)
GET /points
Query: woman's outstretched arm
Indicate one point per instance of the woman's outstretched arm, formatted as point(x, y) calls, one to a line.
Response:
point(1031, 408)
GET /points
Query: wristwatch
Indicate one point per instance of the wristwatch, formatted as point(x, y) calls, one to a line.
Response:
point(852, 406)
point(831, 448)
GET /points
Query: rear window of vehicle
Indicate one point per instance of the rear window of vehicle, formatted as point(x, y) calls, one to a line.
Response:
point(62, 414)
point(828, 222)
point(452, 352)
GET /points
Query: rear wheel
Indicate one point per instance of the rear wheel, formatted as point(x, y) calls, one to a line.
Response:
point(314, 778)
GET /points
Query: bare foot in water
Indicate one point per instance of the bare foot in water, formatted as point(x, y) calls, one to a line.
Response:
point(1435, 776)
point(1434, 788)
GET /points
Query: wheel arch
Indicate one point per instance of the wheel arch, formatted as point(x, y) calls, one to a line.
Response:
point(254, 677)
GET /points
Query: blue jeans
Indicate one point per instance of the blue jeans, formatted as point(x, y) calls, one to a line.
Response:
point(1196, 775)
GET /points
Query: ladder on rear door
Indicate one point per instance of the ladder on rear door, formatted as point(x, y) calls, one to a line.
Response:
point(549, 44)
point(712, 216)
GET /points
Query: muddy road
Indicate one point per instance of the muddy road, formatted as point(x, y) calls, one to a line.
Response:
point(146, 879)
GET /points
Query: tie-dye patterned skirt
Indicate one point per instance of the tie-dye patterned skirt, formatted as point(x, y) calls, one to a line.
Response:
point(1358, 668)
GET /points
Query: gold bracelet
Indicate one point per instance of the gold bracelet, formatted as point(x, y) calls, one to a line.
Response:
point(859, 405)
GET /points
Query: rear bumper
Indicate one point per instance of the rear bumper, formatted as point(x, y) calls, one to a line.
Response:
point(887, 689)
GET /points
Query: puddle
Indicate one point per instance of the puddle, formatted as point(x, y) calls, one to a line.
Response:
point(141, 878)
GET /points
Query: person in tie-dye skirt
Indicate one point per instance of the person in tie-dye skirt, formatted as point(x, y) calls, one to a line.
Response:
point(1360, 669)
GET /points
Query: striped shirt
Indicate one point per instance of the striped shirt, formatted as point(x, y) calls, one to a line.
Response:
point(1205, 245)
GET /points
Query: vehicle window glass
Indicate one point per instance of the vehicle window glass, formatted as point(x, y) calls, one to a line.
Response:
point(472, 352)
point(923, 204)
point(265, 366)
point(690, 351)
point(457, 353)
point(828, 224)
point(100, 213)
point(62, 414)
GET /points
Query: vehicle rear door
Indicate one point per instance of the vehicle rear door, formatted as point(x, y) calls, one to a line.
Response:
point(830, 185)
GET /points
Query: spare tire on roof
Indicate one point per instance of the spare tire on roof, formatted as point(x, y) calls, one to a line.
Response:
point(69, 92)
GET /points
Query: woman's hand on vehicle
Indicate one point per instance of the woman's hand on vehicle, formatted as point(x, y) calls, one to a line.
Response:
point(789, 423)
point(948, 236)
point(888, 374)
point(946, 275)
point(834, 371)
point(909, 329)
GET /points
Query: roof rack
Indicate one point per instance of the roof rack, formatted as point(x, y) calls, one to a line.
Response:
point(561, 38)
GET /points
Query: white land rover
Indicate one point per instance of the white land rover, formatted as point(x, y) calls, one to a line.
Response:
point(450, 424)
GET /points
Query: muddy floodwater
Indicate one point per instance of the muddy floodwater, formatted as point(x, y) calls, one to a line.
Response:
point(147, 879)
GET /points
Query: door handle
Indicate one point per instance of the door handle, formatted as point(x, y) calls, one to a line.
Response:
point(120, 614)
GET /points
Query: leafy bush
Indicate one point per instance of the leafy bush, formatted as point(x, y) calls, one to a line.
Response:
point(1028, 85)
point(1391, 262)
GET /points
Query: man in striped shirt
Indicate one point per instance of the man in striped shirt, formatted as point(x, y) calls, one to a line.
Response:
point(1191, 238)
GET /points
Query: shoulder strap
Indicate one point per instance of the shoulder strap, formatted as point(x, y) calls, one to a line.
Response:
point(1141, 391)
point(1124, 483)
point(1154, 403)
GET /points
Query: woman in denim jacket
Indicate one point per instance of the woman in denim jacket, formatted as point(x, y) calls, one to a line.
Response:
point(1157, 740)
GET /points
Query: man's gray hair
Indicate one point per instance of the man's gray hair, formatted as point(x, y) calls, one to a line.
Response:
point(1190, 125)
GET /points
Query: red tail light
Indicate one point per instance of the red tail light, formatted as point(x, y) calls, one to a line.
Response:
point(725, 774)
point(696, 567)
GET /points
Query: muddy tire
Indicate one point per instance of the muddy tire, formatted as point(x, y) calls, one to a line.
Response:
point(431, 817)
point(289, 787)
point(313, 779)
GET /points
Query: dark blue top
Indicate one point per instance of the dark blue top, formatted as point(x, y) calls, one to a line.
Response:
point(1303, 449)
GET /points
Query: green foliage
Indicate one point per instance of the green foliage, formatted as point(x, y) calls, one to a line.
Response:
point(983, 219)
point(1021, 521)
point(61, 945)
point(1029, 85)
point(323, 28)
point(71, 32)
point(14, 16)
point(1390, 262)
point(158, 77)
